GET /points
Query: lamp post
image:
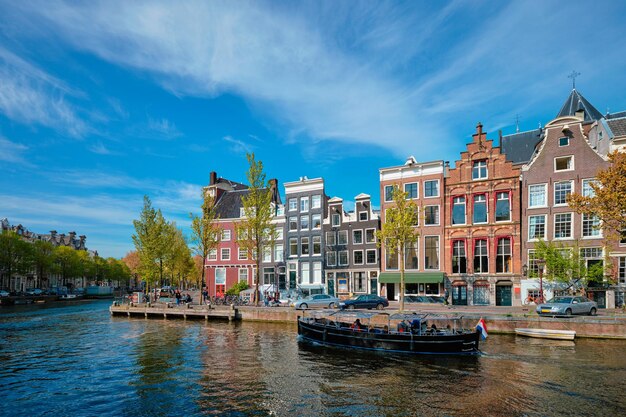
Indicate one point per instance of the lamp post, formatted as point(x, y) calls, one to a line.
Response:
point(540, 263)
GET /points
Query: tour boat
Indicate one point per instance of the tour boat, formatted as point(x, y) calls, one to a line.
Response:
point(403, 333)
point(547, 333)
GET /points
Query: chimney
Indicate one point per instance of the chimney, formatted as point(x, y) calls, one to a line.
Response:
point(479, 128)
point(274, 188)
point(212, 178)
point(580, 114)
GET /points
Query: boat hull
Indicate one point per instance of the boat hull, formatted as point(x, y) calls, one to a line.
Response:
point(461, 343)
point(547, 333)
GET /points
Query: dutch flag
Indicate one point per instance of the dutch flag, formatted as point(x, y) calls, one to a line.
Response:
point(482, 328)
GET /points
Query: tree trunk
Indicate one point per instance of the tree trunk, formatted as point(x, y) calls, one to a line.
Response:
point(401, 250)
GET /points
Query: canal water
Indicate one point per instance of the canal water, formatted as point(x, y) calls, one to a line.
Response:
point(77, 360)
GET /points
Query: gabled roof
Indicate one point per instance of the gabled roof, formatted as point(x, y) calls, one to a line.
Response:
point(576, 102)
point(618, 126)
point(519, 147)
point(229, 204)
point(617, 115)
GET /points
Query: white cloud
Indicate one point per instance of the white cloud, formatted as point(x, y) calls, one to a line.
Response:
point(238, 146)
point(12, 152)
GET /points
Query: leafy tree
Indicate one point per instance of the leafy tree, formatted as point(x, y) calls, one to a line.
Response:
point(205, 231)
point(256, 231)
point(43, 260)
point(178, 259)
point(398, 232)
point(67, 263)
point(608, 201)
point(237, 288)
point(132, 262)
point(15, 256)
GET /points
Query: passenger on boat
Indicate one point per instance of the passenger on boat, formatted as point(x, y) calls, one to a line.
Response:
point(356, 325)
point(415, 326)
point(403, 327)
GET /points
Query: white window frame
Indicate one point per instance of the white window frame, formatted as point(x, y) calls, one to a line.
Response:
point(343, 232)
point(598, 231)
point(586, 184)
point(621, 270)
point(266, 254)
point(417, 190)
point(354, 242)
point(361, 219)
point(305, 277)
point(438, 189)
point(227, 257)
point(354, 252)
point(330, 254)
point(335, 219)
point(221, 270)
point(571, 182)
point(339, 258)
point(319, 221)
point(495, 206)
point(438, 215)
point(280, 233)
point(295, 218)
point(317, 272)
point(316, 201)
point(293, 204)
point(563, 137)
point(571, 226)
point(279, 252)
point(293, 240)
point(226, 235)
point(390, 194)
point(571, 163)
point(480, 177)
point(545, 195)
point(242, 254)
point(375, 256)
point(438, 253)
point(313, 239)
point(212, 256)
point(304, 204)
point(308, 221)
point(545, 227)
point(464, 210)
point(331, 236)
point(486, 201)
point(240, 273)
point(373, 234)
point(307, 243)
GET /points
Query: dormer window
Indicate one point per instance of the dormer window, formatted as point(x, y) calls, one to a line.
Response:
point(363, 216)
point(564, 141)
point(479, 170)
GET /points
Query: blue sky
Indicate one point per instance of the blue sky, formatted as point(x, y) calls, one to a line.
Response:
point(102, 102)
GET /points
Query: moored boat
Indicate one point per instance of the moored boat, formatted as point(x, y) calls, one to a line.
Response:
point(404, 333)
point(547, 333)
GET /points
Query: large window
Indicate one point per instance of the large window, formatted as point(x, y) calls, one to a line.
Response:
point(359, 282)
point(371, 256)
point(459, 258)
point(481, 256)
point(411, 256)
point(317, 245)
point(343, 257)
point(431, 252)
point(588, 189)
point(278, 253)
point(411, 190)
point(226, 234)
point(268, 275)
point(317, 272)
point(357, 237)
point(336, 219)
point(304, 246)
point(391, 259)
point(243, 274)
point(212, 255)
point(564, 163)
point(267, 254)
point(330, 239)
point(563, 225)
point(370, 235)
point(220, 276)
point(537, 195)
point(537, 227)
point(304, 222)
point(533, 267)
point(304, 203)
point(431, 215)
point(293, 246)
point(561, 191)
point(225, 254)
point(480, 208)
point(331, 258)
point(306, 277)
point(479, 170)
point(503, 255)
point(503, 206)
point(431, 188)
point(591, 226)
point(388, 192)
point(293, 204)
point(358, 257)
point(343, 237)
point(621, 272)
point(316, 221)
point(293, 223)
point(458, 210)
point(316, 201)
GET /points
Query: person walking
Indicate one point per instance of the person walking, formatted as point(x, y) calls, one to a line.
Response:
point(178, 296)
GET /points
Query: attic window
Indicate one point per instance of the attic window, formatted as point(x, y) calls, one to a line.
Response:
point(565, 163)
point(564, 141)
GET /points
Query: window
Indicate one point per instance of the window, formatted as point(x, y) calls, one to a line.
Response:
point(503, 206)
point(343, 237)
point(503, 255)
point(537, 227)
point(267, 254)
point(243, 274)
point(336, 220)
point(458, 210)
point(304, 222)
point(621, 271)
point(479, 170)
point(357, 237)
point(411, 190)
point(591, 253)
point(293, 204)
point(293, 246)
point(561, 191)
point(304, 246)
point(304, 204)
point(431, 215)
point(317, 272)
point(317, 245)
point(537, 195)
point(293, 223)
point(268, 276)
point(588, 189)
point(242, 254)
point(358, 257)
point(370, 235)
point(330, 239)
point(388, 192)
point(564, 163)
point(533, 268)
point(305, 278)
point(280, 210)
point(213, 255)
point(459, 258)
point(480, 208)
point(562, 225)
point(564, 141)
point(225, 254)
point(370, 256)
point(316, 201)
point(431, 252)
point(622, 238)
point(363, 216)
point(391, 259)
point(220, 276)
point(431, 188)
point(481, 256)
point(416, 216)
point(591, 226)
point(278, 253)
point(343, 257)
point(331, 258)
point(360, 282)
point(226, 235)
point(279, 233)
point(411, 256)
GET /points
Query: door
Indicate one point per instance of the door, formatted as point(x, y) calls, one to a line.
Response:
point(481, 295)
point(374, 286)
point(459, 295)
point(331, 287)
point(503, 295)
point(292, 278)
point(600, 298)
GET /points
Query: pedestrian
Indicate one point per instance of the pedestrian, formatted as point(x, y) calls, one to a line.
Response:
point(446, 295)
point(178, 296)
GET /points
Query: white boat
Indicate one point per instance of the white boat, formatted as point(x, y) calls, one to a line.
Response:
point(547, 333)
point(68, 296)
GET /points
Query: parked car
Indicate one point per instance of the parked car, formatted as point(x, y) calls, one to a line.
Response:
point(4, 293)
point(34, 291)
point(368, 301)
point(317, 300)
point(568, 305)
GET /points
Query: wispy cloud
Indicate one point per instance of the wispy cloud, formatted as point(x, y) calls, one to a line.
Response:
point(238, 146)
point(163, 128)
point(99, 148)
point(13, 152)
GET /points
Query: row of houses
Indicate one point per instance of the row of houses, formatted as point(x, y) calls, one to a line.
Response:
point(478, 226)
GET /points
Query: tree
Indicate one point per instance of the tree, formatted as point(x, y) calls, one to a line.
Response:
point(43, 260)
point(132, 262)
point(205, 231)
point(67, 263)
point(608, 200)
point(178, 259)
point(15, 256)
point(256, 231)
point(398, 232)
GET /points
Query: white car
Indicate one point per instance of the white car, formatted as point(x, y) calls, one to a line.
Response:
point(317, 300)
point(4, 293)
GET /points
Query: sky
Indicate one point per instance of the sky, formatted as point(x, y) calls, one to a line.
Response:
point(103, 102)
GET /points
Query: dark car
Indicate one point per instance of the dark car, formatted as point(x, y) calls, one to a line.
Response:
point(427, 299)
point(368, 301)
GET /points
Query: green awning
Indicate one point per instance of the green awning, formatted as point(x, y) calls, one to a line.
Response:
point(412, 277)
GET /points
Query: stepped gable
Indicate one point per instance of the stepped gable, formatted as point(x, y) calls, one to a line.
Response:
point(519, 147)
point(575, 102)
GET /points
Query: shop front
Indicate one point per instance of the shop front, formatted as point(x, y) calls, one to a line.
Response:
point(416, 283)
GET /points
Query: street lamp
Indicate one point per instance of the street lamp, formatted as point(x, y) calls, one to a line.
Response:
point(540, 264)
